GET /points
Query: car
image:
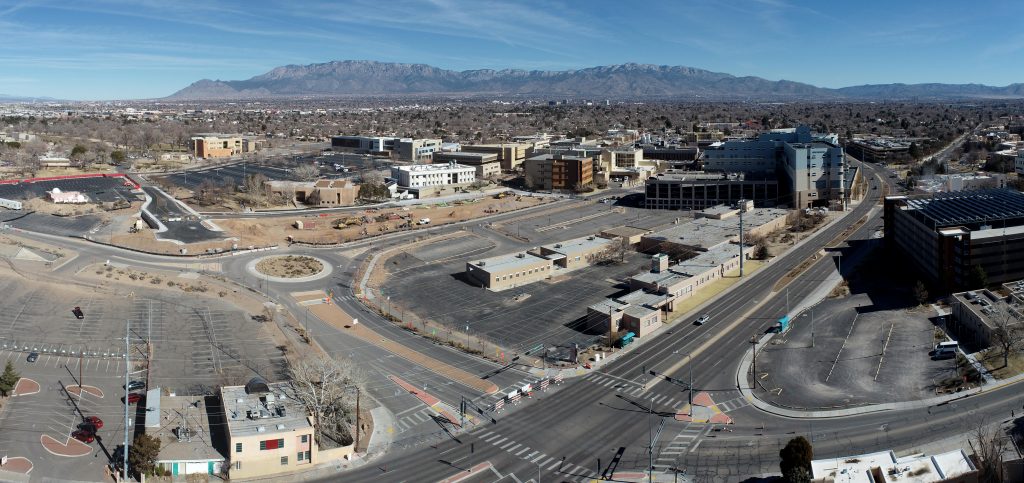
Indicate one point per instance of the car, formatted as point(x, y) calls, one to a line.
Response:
point(136, 385)
point(88, 427)
point(84, 436)
point(94, 421)
point(32, 357)
point(700, 320)
point(133, 398)
point(78, 312)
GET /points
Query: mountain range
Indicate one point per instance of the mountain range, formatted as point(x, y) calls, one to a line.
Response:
point(356, 78)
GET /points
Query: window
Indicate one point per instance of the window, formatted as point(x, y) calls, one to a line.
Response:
point(305, 438)
point(298, 457)
point(238, 447)
point(284, 461)
point(238, 465)
point(271, 444)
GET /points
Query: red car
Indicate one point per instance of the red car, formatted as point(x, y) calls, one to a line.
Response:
point(94, 421)
point(84, 436)
point(134, 398)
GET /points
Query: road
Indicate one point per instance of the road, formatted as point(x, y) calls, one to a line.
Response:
point(588, 421)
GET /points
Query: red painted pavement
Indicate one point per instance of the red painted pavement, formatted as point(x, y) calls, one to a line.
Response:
point(703, 399)
point(466, 474)
point(18, 464)
point(720, 418)
point(91, 390)
point(25, 387)
point(426, 398)
point(73, 448)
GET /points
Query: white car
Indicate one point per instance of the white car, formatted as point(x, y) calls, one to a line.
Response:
point(700, 320)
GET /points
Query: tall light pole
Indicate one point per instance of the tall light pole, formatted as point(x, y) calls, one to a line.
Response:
point(127, 370)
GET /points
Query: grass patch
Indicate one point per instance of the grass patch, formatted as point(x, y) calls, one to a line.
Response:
point(992, 359)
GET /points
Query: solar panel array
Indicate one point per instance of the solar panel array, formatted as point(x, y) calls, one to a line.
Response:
point(970, 207)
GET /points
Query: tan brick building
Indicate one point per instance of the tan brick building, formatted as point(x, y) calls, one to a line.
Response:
point(268, 432)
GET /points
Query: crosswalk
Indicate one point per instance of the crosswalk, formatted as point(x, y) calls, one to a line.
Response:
point(414, 419)
point(567, 471)
point(687, 440)
point(733, 404)
point(624, 386)
point(492, 398)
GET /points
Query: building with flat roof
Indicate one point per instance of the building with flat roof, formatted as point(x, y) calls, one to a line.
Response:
point(885, 467)
point(706, 233)
point(486, 164)
point(418, 177)
point(416, 150)
point(269, 432)
point(977, 314)
point(182, 424)
point(695, 190)
point(517, 269)
point(323, 192)
point(1018, 163)
point(813, 165)
point(510, 155)
point(205, 146)
point(946, 235)
point(879, 149)
point(365, 144)
point(559, 171)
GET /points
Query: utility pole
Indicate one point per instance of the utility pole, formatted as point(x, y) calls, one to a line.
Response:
point(357, 420)
point(741, 241)
point(812, 327)
point(127, 370)
point(650, 449)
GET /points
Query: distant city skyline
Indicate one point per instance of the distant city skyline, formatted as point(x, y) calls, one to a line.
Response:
point(128, 49)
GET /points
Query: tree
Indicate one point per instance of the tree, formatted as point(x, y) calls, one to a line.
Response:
point(977, 278)
point(306, 172)
point(760, 251)
point(1007, 336)
point(989, 444)
point(77, 152)
point(914, 151)
point(920, 292)
point(117, 156)
point(325, 387)
point(142, 454)
point(796, 460)
point(8, 379)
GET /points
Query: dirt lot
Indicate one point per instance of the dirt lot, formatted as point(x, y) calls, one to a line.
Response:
point(289, 266)
point(146, 241)
point(364, 223)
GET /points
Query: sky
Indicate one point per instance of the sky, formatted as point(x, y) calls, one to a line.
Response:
point(132, 49)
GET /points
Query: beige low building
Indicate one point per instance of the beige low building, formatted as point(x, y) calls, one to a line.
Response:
point(713, 229)
point(486, 164)
point(509, 271)
point(631, 236)
point(976, 315)
point(324, 192)
point(510, 155)
point(268, 432)
point(518, 269)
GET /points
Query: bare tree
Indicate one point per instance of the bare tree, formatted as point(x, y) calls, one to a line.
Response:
point(306, 172)
point(989, 443)
point(1007, 336)
point(326, 387)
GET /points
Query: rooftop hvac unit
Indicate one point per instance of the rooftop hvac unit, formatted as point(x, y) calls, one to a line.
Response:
point(590, 238)
point(520, 255)
point(558, 245)
point(261, 429)
point(481, 263)
point(280, 427)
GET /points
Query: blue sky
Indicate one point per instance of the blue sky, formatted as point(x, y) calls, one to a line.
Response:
point(122, 49)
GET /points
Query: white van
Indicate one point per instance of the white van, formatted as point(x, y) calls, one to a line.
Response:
point(424, 221)
point(946, 349)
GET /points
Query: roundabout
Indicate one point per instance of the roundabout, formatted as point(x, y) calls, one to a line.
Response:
point(289, 268)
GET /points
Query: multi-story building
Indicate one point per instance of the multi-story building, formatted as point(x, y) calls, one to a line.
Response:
point(559, 171)
point(416, 150)
point(216, 146)
point(268, 431)
point(694, 190)
point(946, 235)
point(1018, 164)
point(486, 164)
point(365, 144)
point(422, 178)
point(813, 165)
point(976, 316)
point(879, 149)
point(623, 157)
point(510, 155)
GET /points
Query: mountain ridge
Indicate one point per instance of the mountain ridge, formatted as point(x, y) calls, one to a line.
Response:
point(361, 78)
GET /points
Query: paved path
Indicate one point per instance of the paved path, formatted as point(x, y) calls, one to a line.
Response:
point(342, 321)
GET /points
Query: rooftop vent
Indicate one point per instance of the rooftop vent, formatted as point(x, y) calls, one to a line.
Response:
point(558, 245)
point(481, 263)
point(280, 426)
point(261, 429)
point(520, 255)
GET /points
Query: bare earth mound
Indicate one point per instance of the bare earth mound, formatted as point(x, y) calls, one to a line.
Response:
point(289, 266)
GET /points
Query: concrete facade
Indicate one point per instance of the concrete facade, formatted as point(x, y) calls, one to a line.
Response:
point(558, 171)
point(692, 190)
point(945, 235)
point(416, 150)
point(510, 155)
point(364, 144)
point(813, 164)
point(205, 146)
point(324, 192)
point(976, 315)
point(486, 164)
point(433, 175)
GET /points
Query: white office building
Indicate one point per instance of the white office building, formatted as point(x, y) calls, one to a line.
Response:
point(433, 175)
point(1018, 164)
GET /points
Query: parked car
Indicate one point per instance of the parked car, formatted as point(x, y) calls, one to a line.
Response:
point(136, 385)
point(84, 436)
point(700, 320)
point(89, 427)
point(133, 398)
point(32, 357)
point(78, 312)
point(94, 421)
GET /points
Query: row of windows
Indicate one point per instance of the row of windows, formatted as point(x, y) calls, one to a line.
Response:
point(523, 273)
point(271, 444)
